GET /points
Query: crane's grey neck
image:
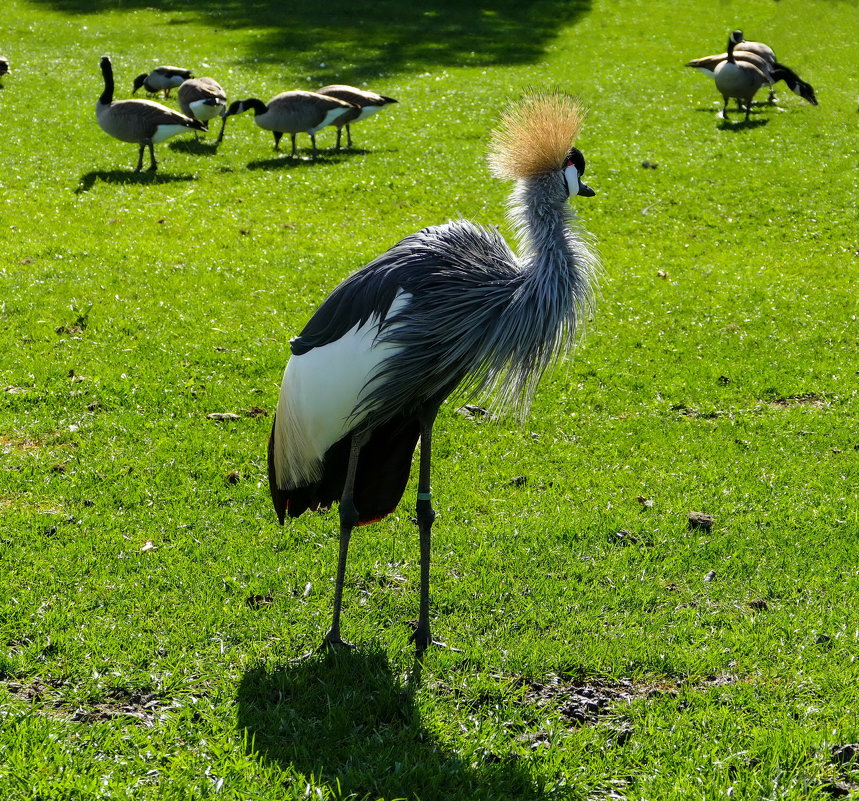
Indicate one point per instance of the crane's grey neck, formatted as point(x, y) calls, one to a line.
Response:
point(558, 280)
point(552, 245)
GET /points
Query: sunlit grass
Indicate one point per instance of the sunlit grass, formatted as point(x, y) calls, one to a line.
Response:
point(149, 603)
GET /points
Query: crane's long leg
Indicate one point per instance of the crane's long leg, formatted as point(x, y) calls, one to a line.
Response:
point(348, 518)
point(425, 515)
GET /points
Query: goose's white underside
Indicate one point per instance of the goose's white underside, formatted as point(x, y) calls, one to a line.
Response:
point(332, 115)
point(205, 112)
point(163, 132)
point(366, 111)
point(319, 392)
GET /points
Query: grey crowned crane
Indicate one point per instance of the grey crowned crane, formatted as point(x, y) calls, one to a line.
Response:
point(142, 122)
point(165, 78)
point(757, 52)
point(448, 309)
point(365, 102)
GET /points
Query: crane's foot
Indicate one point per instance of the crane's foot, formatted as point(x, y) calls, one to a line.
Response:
point(332, 642)
point(423, 639)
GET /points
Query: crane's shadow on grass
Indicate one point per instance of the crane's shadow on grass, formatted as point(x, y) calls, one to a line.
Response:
point(348, 722)
point(89, 179)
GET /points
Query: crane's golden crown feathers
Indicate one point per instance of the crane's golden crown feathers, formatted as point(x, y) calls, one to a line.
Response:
point(535, 134)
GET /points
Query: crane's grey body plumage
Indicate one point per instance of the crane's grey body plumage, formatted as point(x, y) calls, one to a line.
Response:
point(505, 317)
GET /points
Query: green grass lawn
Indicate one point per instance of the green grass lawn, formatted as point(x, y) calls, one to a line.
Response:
point(150, 605)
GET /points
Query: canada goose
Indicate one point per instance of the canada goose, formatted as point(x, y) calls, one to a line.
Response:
point(739, 79)
point(293, 112)
point(165, 78)
point(778, 72)
point(4, 66)
point(203, 99)
point(140, 121)
point(367, 102)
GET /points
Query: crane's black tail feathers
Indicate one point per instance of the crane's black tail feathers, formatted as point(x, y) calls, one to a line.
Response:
point(383, 473)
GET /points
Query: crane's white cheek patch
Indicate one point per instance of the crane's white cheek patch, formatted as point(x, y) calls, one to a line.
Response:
point(319, 392)
point(572, 176)
point(163, 132)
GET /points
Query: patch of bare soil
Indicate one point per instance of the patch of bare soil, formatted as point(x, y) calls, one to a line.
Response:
point(583, 703)
point(806, 399)
point(143, 707)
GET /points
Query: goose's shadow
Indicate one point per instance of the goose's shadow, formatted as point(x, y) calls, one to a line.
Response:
point(196, 147)
point(347, 722)
point(742, 125)
point(128, 177)
point(288, 162)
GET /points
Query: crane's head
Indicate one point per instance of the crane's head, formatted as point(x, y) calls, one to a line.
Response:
point(535, 137)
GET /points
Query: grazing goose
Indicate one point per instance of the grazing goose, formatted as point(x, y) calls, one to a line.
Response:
point(777, 72)
point(293, 112)
point(165, 78)
point(367, 103)
point(203, 99)
point(140, 121)
point(739, 79)
point(4, 66)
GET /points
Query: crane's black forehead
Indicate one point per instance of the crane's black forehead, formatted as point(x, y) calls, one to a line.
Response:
point(575, 158)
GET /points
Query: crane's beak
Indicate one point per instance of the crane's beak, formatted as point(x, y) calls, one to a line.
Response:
point(585, 190)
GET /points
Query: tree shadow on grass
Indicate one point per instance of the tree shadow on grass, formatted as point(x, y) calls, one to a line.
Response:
point(344, 41)
point(127, 177)
point(347, 721)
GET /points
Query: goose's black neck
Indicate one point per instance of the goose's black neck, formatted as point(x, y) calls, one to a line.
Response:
point(107, 71)
point(256, 104)
point(731, 50)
